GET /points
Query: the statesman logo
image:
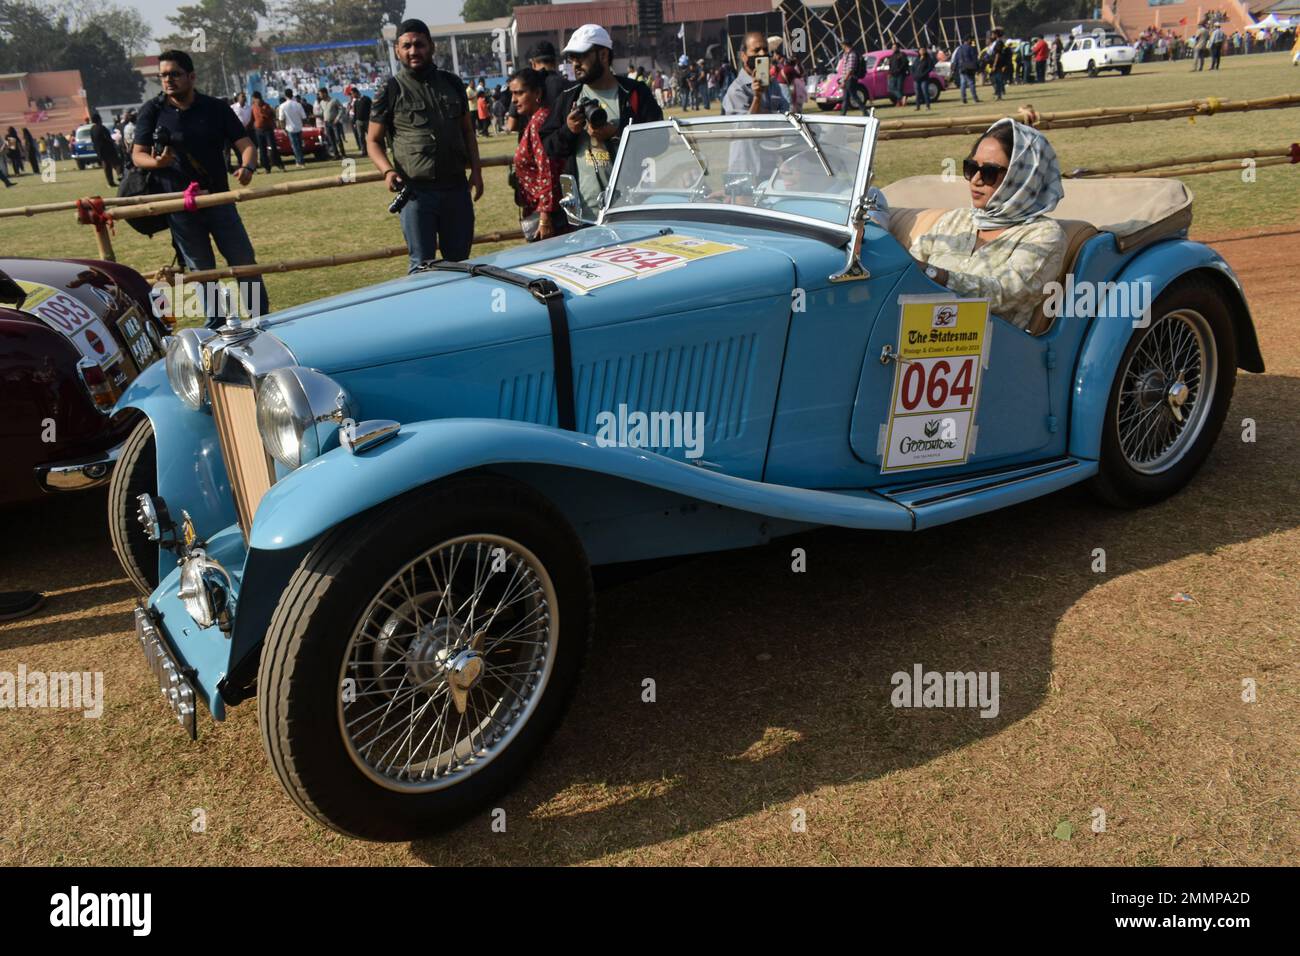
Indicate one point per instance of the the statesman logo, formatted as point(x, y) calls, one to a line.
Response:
point(102, 909)
point(940, 433)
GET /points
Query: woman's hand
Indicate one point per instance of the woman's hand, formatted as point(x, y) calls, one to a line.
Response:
point(545, 228)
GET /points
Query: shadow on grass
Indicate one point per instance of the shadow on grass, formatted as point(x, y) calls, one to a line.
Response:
point(770, 684)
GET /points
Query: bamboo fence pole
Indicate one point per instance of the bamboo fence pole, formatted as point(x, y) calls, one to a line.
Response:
point(118, 201)
point(249, 194)
point(1207, 106)
point(317, 262)
point(1084, 171)
point(1207, 168)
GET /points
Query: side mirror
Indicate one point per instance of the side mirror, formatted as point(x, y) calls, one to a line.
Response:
point(571, 202)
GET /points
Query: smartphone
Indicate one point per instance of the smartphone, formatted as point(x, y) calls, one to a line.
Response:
point(763, 69)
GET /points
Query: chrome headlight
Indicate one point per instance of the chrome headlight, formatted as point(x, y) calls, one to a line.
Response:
point(205, 591)
point(185, 366)
point(299, 413)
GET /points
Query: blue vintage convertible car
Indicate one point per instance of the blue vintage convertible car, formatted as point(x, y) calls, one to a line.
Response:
point(377, 513)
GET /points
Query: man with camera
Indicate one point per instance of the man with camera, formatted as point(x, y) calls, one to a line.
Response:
point(182, 136)
point(423, 114)
point(586, 119)
point(752, 91)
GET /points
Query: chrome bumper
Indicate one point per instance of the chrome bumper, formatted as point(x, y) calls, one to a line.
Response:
point(176, 688)
point(78, 475)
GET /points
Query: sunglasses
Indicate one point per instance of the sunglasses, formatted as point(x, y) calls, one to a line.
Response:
point(990, 173)
point(171, 75)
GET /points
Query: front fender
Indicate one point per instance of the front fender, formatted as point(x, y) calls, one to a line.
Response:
point(340, 485)
point(1159, 266)
point(191, 471)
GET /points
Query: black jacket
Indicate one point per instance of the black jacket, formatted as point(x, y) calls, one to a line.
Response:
point(636, 104)
point(102, 140)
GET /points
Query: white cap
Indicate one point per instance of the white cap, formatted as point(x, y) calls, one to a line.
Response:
point(587, 36)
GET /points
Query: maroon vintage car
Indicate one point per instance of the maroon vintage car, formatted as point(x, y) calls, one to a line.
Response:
point(73, 334)
point(314, 143)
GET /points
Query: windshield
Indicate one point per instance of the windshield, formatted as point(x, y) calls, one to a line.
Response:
point(83, 133)
point(808, 169)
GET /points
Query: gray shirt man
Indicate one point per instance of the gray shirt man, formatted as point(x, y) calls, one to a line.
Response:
point(744, 155)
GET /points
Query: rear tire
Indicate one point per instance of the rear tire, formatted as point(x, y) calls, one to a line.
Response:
point(934, 91)
point(1146, 454)
point(338, 617)
point(1092, 68)
point(1125, 70)
point(136, 474)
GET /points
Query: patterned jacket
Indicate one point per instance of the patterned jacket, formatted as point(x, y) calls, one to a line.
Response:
point(1011, 271)
point(537, 173)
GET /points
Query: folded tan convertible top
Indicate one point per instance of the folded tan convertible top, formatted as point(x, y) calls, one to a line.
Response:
point(1136, 211)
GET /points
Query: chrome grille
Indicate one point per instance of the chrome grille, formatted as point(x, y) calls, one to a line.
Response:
point(251, 471)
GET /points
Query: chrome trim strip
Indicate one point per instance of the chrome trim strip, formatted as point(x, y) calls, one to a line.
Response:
point(78, 475)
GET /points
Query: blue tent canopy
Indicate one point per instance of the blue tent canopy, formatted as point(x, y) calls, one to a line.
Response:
point(312, 47)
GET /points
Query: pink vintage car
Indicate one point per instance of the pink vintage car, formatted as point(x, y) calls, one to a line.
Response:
point(876, 80)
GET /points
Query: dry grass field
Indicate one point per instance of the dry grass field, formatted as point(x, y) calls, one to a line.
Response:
point(774, 687)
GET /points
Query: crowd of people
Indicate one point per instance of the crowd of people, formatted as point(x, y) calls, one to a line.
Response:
point(334, 77)
point(1209, 39)
point(566, 109)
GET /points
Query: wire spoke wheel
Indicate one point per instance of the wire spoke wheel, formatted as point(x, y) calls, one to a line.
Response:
point(1166, 391)
point(447, 663)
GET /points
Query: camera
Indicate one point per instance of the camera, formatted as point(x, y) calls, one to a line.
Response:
point(400, 200)
point(164, 137)
point(593, 110)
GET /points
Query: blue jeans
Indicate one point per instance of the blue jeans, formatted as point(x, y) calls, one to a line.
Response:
point(267, 150)
point(295, 140)
point(922, 85)
point(999, 84)
point(190, 232)
point(968, 79)
point(896, 88)
point(438, 218)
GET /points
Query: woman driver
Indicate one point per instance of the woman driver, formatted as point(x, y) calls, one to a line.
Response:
point(1003, 247)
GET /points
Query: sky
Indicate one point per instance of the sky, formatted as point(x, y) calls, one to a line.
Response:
point(432, 12)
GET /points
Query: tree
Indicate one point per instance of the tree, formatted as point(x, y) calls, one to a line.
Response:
point(106, 70)
point(123, 24)
point(491, 9)
point(1019, 17)
point(219, 35)
point(308, 21)
point(30, 41)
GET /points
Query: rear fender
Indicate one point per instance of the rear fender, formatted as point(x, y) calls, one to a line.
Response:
point(1158, 266)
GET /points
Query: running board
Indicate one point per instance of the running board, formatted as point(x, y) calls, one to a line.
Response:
point(961, 496)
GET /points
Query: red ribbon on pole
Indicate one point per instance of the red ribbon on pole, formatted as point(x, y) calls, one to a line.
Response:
point(91, 212)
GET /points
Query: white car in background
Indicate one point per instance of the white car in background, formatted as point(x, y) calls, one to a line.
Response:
point(1099, 51)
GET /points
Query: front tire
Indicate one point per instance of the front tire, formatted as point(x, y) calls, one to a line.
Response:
point(1125, 70)
point(441, 609)
point(1092, 68)
point(136, 474)
point(1182, 366)
point(934, 91)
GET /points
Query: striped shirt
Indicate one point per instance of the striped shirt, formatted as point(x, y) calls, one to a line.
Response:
point(1011, 271)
